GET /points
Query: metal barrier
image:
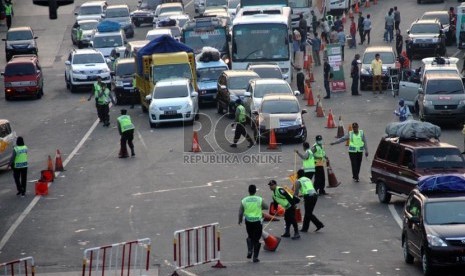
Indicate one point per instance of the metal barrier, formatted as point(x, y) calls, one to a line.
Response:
point(126, 258)
point(197, 245)
point(23, 266)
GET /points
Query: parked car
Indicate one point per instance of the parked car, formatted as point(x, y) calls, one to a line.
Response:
point(173, 100)
point(387, 56)
point(88, 27)
point(19, 41)
point(433, 227)
point(281, 112)
point(91, 10)
point(120, 14)
point(399, 163)
point(7, 142)
point(23, 78)
point(122, 81)
point(426, 37)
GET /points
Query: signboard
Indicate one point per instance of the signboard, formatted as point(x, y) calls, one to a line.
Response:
point(334, 54)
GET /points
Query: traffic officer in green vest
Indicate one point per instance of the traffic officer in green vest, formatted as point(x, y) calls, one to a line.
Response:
point(79, 36)
point(103, 101)
point(18, 162)
point(240, 119)
point(126, 130)
point(320, 159)
point(288, 202)
point(8, 13)
point(357, 144)
point(304, 187)
point(308, 160)
point(251, 208)
point(96, 91)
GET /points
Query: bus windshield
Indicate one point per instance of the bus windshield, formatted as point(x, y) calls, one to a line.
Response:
point(215, 38)
point(270, 42)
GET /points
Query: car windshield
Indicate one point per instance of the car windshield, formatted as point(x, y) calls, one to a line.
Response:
point(149, 4)
point(263, 89)
point(90, 10)
point(240, 82)
point(19, 69)
point(172, 91)
point(442, 17)
point(386, 57)
point(443, 213)
point(439, 158)
point(19, 35)
point(210, 74)
point(213, 3)
point(111, 13)
point(171, 9)
point(444, 86)
point(268, 73)
point(88, 58)
point(125, 69)
point(215, 38)
point(424, 29)
point(232, 4)
point(280, 107)
point(88, 25)
point(107, 41)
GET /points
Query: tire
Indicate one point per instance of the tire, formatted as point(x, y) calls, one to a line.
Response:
point(219, 108)
point(426, 266)
point(67, 83)
point(408, 258)
point(196, 117)
point(40, 93)
point(152, 125)
point(7, 98)
point(303, 138)
point(72, 88)
point(383, 195)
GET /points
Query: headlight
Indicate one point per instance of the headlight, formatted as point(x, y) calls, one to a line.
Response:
point(9, 47)
point(435, 241)
point(298, 121)
point(284, 70)
point(105, 70)
point(119, 83)
point(427, 103)
point(187, 105)
point(8, 84)
point(233, 97)
point(435, 40)
point(30, 46)
point(153, 107)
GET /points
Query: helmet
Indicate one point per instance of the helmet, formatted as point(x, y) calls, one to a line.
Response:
point(319, 138)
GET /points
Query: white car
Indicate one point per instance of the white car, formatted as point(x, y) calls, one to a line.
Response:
point(156, 33)
point(173, 100)
point(167, 8)
point(107, 41)
point(91, 10)
point(83, 67)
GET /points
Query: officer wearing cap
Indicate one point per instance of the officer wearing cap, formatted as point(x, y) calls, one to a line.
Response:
point(403, 111)
point(126, 130)
point(251, 208)
point(304, 187)
point(288, 202)
point(320, 160)
point(240, 118)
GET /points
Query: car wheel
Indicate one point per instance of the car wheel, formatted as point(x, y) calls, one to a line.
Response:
point(219, 108)
point(426, 265)
point(66, 81)
point(7, 98)
point(196, 117)
point(72, 87)
point(303, 138)
point(383, 195)
point(408, 258)
point(39, 94)
point(152, 125)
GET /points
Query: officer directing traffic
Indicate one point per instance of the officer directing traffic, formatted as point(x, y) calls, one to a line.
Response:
point(288, 202)
point(320, 159)
point(308, 160)
point(304, 187)
point(96, 90)
point(19, 164)
point(240, 119)
point(126, 130)
point(251, 208)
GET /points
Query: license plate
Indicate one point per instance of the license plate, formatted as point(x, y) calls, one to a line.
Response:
point(171, 112)
point(20, 90)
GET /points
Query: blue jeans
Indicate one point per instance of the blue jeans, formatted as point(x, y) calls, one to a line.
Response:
point(389, 33)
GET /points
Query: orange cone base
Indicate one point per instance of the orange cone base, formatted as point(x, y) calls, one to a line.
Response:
point(276, 212)
point(219, 265)
point(41, 188)
point(271, 242)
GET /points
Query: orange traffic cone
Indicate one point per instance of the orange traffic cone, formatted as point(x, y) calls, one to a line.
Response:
point(58, 162)
point(50, 164)
point(272, 144)
point(278, 211)
point(330, 122)
point(340, 128)
point(310, 75)
point(344, 18)
point(332, 181)
point(195, 142)
point(41, 188)
point(367, 3)
point(267, 217)
point(319, 109)
point(349, 130)
point(309, 93)
point(271, 242)
point(298, 215)
point(351, 13)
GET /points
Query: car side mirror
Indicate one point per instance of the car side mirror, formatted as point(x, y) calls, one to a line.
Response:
point(296, 93)
point(76, 13)
point(112, 73)
point(304, 111)
point(102, 16)
point(2, 73)
point(415, 219)
point(148, 98)
point(194, 94)
point(408, 31)
point(285, 76)
point(67, 62)
point(247, 94)
point(255, 112)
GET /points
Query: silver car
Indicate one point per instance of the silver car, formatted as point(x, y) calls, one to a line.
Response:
point(120, 14)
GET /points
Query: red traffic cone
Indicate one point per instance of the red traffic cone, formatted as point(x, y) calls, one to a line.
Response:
point(309, 93)
point(195, 142)
point(330, 122)
point(332, 181)
point(357, 10)
point(271, 242)
point(272, 144)
point(278, 211)
point(41, 188)
point(49, 169)
point(340, 128)
point(298, 215)
point(47, 176)
point(267, 217)
point(58, 162)
point(319, 109)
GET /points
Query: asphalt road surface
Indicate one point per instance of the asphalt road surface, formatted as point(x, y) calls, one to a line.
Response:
point(101, 199)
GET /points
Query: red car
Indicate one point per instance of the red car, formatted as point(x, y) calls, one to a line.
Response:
point(23, 78)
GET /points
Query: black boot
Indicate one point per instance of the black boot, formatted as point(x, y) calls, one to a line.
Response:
point(296, 234)
point(249, 248)
point(256, 250)
point(286, 233)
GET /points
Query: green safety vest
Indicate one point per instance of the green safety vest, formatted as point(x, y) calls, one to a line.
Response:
point(125, 123)
point(309, 163)
point(97, 89)
point(319, 154)
point(280, 199)
point(356, 143)
point(79, 34)
point(8, 9)
point(20, 157)
point(306, 186)
point(134, 82)
point(252, 208)
point(105, 98)
point(241, 113)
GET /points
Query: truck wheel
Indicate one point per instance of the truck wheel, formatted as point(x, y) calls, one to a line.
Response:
point(383, 195)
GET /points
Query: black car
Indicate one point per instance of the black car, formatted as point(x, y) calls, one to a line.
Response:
point(426, 37)
point(20, 41)
point(434, 224)
point(144, 12)
point(443, 17)
point(122, 81)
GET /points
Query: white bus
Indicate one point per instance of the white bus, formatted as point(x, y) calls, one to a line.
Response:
point(262, 38)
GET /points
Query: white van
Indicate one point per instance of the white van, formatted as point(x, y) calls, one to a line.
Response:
point(7, 142)
point(91, 10)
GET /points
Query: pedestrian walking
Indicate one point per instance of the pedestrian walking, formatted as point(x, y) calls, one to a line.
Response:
point(399, 43)
point(355, 75)
point(338, 24)
point(326, 30)
point(377, 69)
point(19, 164)
point(296, 42)
point(357, 145)
point(319, 154)
point(327, 77)
point(304, 187)
point(9, 13)
point(316, 48)
point(341, 36)
point(353, 33)
point(96, 90)
point(314, 22)
point(103, 102)
point(303, 28)
point(389, 25)
point(288, 202)
point(300, 81)
point(126, 131)
point(240, 119)
point(403, 112)
point(308, 160)
point(367, 29)
point(360, 30)
point(251, 208)
point(396, 18)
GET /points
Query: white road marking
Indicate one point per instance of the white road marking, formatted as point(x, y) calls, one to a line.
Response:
point(33, 203)
point(142, 140)
point(188, 3)
point(457, 53)
point(394, 214)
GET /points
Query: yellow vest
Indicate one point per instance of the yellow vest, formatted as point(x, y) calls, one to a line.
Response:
point(356, 143)
point(252, 208)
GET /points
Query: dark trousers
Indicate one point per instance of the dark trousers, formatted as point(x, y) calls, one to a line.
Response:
point(103, 111)
point(328, 90)
point(320, 179)
point(20, 176)
point(399, 51)
point(289, 219)
point(366, 34)
point(310, 202)
point(254, 231)
point(354, 86)
point(301, 82)
point(342, 52)
point(396, 25)
point(362, 36)
point(240, 131)
point(309, 175)
point(126, 138)
point(8, 21)
point(356, 163)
